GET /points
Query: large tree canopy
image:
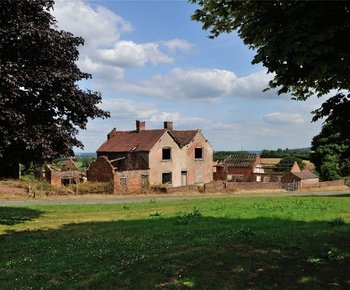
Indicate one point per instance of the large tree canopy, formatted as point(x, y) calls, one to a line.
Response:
point(330, 153)
point(41, 106)
point(304, 43)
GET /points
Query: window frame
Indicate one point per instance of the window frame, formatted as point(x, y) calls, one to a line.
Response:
point(163, 178)
point(123, 181)
point(166, 156)
point(201, 153)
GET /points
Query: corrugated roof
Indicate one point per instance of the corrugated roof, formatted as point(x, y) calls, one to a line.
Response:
point(240, 160)
point(125, 141)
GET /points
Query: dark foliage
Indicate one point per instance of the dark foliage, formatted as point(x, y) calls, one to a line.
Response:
point(301, 42)
point(286, 163)
point(302, 153)
point(330, 153)
point(41, 106)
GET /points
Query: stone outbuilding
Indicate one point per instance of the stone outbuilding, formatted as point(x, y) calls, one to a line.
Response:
point(164, 157)
point(300, 180)
point(66, 174)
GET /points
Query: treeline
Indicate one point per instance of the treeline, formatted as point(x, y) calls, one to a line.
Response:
point(302, 153)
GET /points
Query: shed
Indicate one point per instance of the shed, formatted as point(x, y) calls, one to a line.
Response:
point(303, 179)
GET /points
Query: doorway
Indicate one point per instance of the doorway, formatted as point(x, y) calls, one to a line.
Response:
point(183, 178)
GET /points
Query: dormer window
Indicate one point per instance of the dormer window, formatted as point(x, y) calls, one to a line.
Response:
point(198, 153)
point(166, 153)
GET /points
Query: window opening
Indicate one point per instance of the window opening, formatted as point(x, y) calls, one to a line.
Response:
point(166, 178)
point(166, 153)
point(123, 181)
point(198, 153)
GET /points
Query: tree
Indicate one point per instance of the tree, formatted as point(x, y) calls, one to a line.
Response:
point(330, 153)
point(41, 106)
point(302, 43)
point(287, 162)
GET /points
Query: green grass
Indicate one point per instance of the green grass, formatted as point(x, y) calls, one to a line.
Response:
point(219, 243)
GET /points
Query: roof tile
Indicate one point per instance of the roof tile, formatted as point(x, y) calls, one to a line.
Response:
point(125, 141)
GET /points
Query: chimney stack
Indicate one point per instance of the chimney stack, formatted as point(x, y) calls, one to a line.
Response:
point(112, 133)
point(168, 125)
point(140, 126)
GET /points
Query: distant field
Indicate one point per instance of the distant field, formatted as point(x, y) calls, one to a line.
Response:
point(274, 161)
point(218, 243)
point(270, 161)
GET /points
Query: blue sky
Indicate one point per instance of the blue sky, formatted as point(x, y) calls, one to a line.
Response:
point(152, 63)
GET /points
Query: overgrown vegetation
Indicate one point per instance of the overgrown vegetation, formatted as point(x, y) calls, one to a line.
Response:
point(222, 243)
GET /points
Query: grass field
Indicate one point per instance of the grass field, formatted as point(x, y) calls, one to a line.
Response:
point(219, 243)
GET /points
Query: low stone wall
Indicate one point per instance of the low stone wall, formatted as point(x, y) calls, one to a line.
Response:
point(184, 188)
point(232, 186)
point(340, 182)
point(215, 186)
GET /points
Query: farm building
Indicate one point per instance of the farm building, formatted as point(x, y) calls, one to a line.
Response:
point(157, 157)
point(303, 179)
point(250, 168)
point(240, 168)
point(66, 174)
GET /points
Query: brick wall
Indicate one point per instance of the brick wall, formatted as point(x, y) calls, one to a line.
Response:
point(129, 181)
point(252, 185)
point(339, 182)
point(101, 170)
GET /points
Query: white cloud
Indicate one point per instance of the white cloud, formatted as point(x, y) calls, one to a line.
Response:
point(203, 84)
point(99, 69)
point(126, 109)
point(177, 44)
point(186, 85)
point(252, 86)
point(165, 116)
point(130, 54)
point(98, 26)
point(105, 53)
point(283, 118)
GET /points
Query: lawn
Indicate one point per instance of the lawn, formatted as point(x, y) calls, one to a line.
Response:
point(218, 243)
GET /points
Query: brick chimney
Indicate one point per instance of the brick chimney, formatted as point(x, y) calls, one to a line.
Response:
point(168, 125)
point(140, 126)
point(111, 134)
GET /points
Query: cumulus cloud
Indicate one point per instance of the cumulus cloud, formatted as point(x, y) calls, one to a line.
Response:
point(127, 109)
point(203, 84)
point(105, 53)
point(130, 54)
point(97, 68)
point(252, 86)
point(283, 118)
point(98, 26)
point(186, 85)
point(132, 110)
point(177, 44)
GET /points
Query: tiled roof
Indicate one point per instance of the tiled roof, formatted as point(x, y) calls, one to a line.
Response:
point(240, 160)
point(305, 175)
point(125, 141)
point(184, 137)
